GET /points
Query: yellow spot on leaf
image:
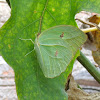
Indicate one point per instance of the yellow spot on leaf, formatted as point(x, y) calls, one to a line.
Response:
point(9, 46)
point(53, 9)
point(35, 11)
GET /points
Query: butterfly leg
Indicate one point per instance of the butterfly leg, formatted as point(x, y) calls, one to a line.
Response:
point(27, 40)
point(29, 52)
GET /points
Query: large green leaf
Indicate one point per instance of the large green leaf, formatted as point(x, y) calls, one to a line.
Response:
point(25, 23)
point(56, 48)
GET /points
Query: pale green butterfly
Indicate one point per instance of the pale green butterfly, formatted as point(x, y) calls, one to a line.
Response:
point(56, 47)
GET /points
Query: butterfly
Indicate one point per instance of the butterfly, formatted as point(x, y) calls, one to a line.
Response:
point(56, 47)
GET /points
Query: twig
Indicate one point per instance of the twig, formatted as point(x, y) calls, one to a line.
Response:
point(95, 28)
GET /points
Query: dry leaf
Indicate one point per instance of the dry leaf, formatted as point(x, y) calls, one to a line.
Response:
point(96, 56)
point(75, 93)
point(96, 38)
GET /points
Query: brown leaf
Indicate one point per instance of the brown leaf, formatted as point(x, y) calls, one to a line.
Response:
point(96, 38)
point(75, 93)
point(96, 56)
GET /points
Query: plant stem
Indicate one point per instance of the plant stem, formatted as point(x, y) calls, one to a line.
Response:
point(89, 66)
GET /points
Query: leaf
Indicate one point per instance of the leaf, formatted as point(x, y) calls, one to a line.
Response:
point(56, 48)
point(96, 56)
point(25, 23)
point(78, 93)
point(96, 39)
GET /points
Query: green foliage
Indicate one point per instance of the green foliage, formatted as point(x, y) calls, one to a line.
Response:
point(25, 23)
